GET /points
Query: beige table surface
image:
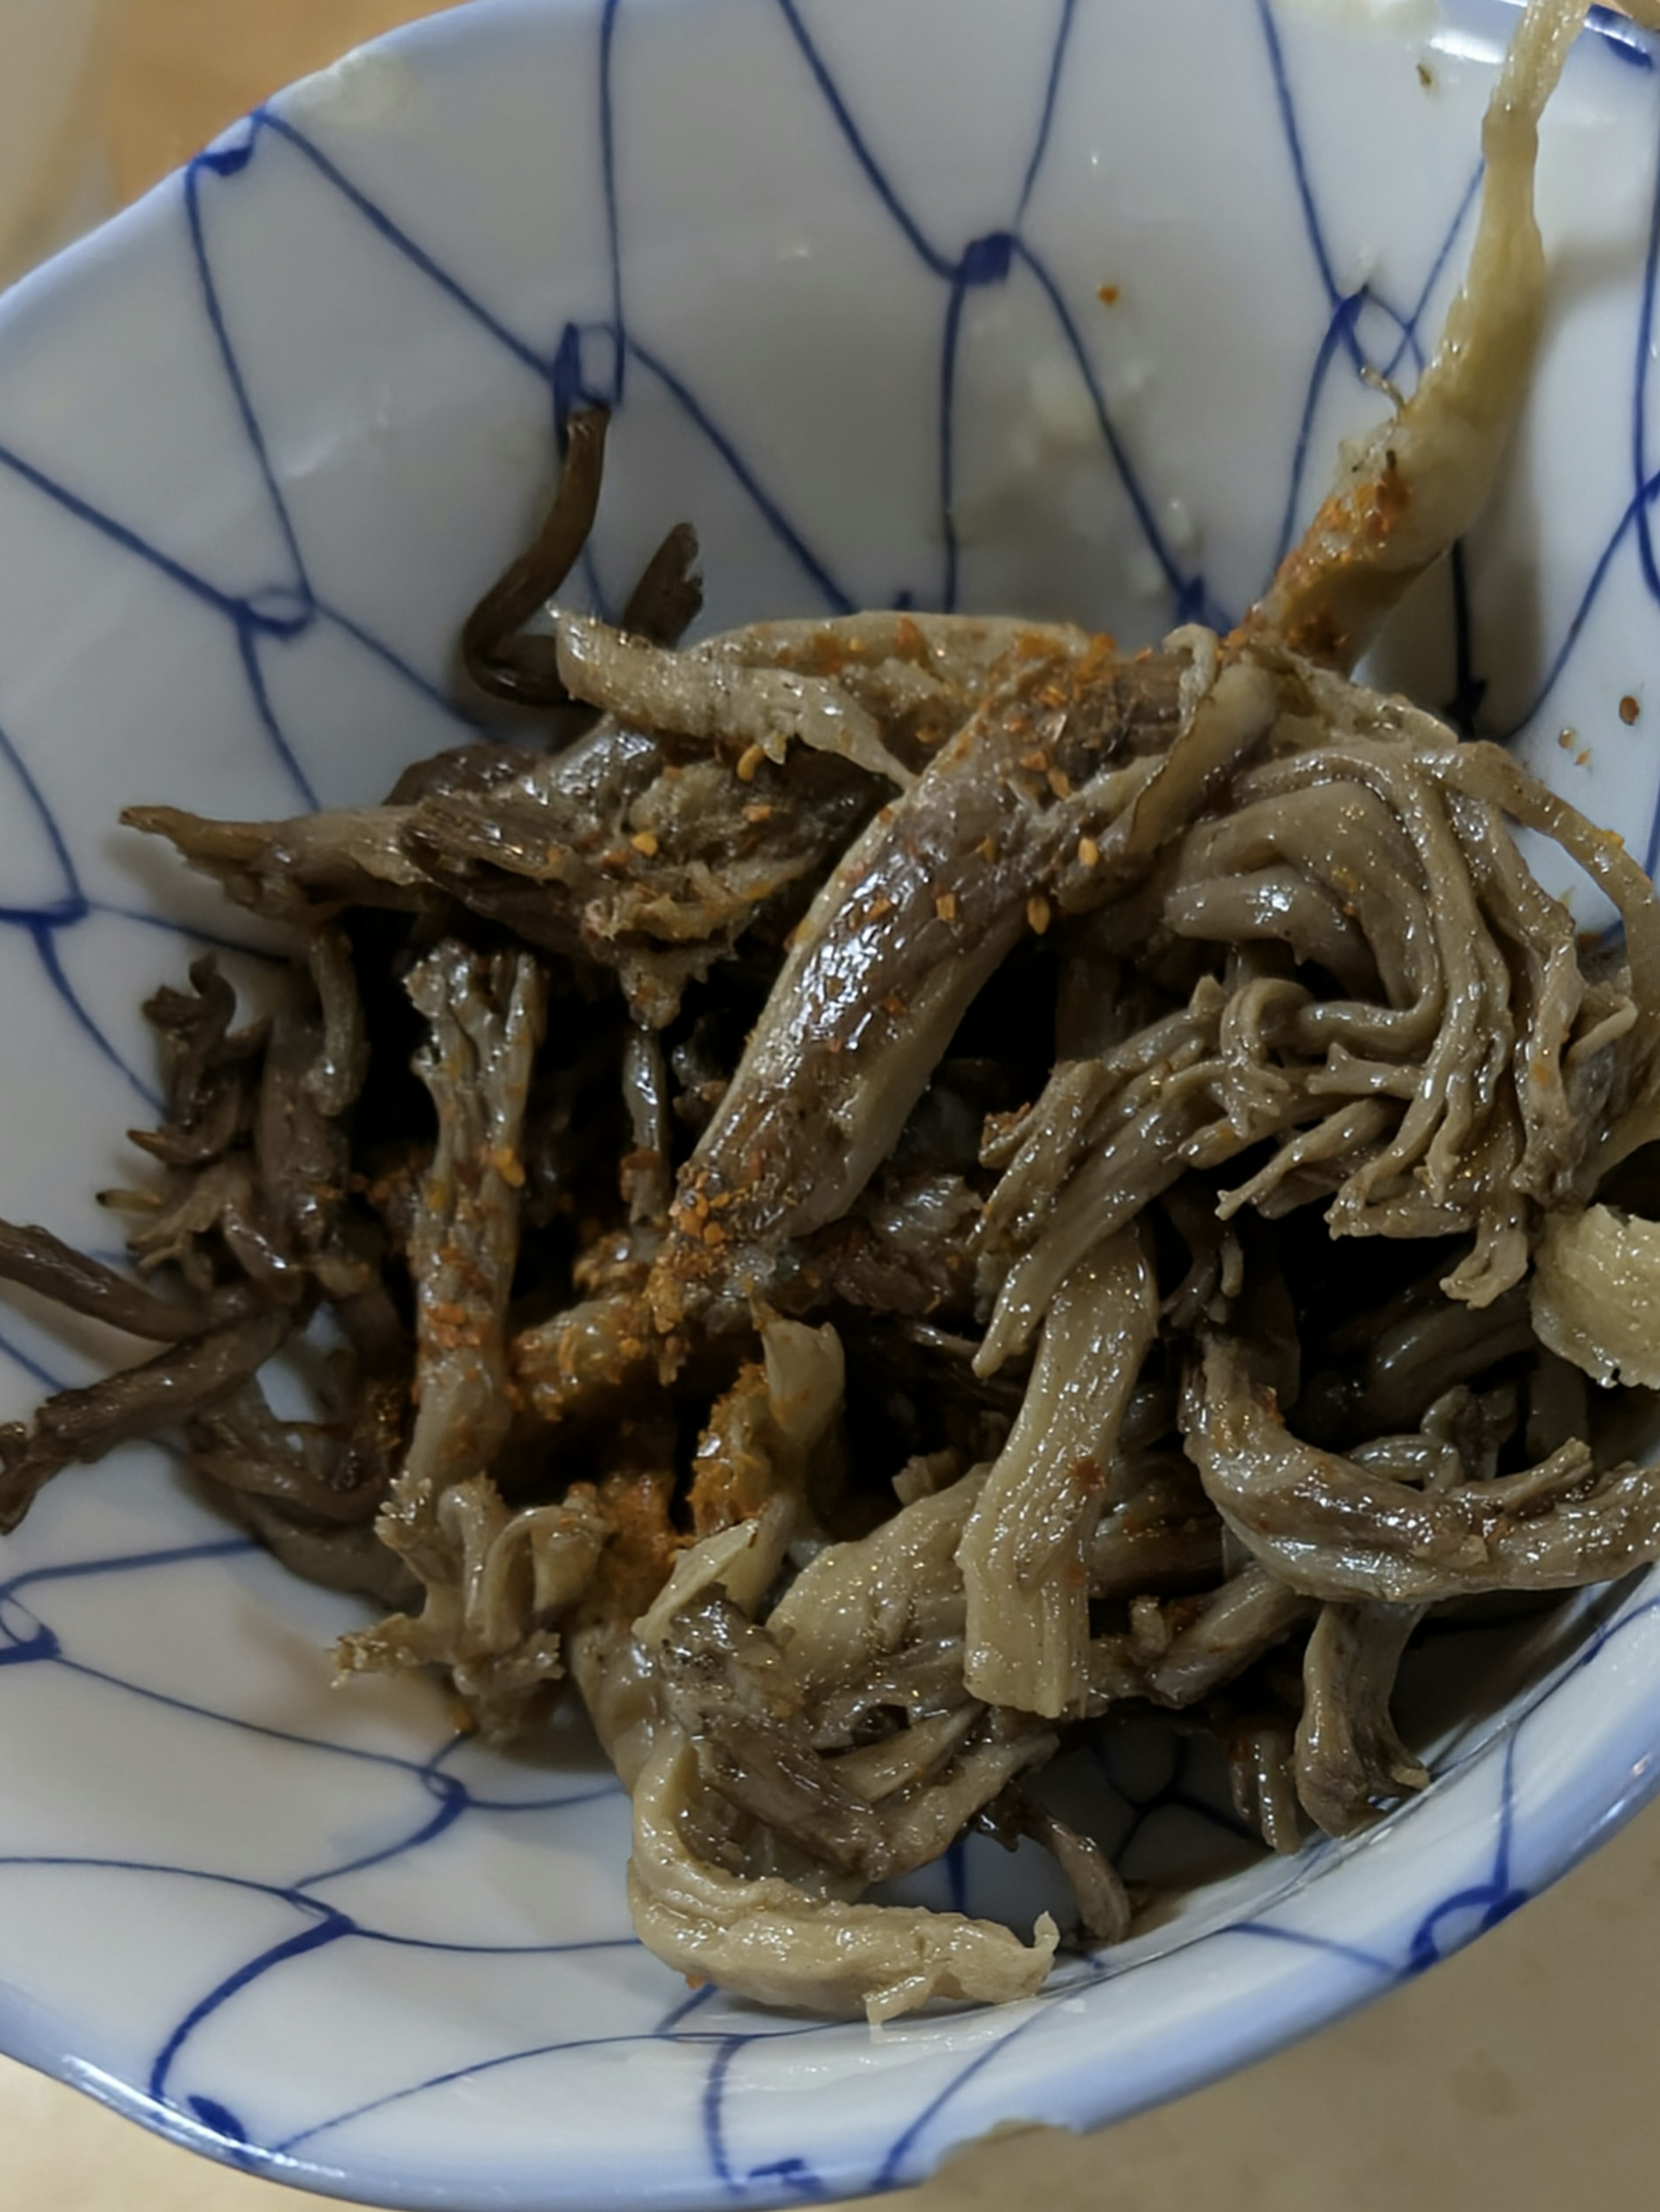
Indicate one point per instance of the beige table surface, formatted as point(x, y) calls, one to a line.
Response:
point(1520, 2077)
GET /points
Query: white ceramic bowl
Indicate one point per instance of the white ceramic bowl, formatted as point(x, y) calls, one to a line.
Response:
point(261, 442)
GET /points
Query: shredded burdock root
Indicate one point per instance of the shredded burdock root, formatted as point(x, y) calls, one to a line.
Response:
point(918, 1186)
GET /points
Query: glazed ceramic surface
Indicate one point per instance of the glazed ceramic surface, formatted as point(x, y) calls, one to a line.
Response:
point(1006, 304)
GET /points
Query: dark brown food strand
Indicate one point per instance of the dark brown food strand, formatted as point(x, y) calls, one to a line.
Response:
point(40, 1262)
point(141, 1402)
point(498, 658)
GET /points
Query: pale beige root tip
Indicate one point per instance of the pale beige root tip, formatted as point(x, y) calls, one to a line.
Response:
point(777, 1943)
point(1597, 1294)
point(1407, 492)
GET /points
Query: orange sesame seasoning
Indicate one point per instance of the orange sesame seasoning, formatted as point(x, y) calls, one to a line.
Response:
point(646, 843)
point(758, 811)
point(908, 638)
point(1629, 710)
point(893, 1005)
point(879, 910)
point(508, 1165)
point(1089, 853)
point(946, 905)
point(1038, 914)
point(1060, 783)
point(1108, 295)
point(749, 764)
point(1036, 760)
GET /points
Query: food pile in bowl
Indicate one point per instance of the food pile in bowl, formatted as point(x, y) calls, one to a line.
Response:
point(849, 1405)
point(879, 1200)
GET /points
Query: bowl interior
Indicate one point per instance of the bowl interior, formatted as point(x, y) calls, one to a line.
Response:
point(1052, 310)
